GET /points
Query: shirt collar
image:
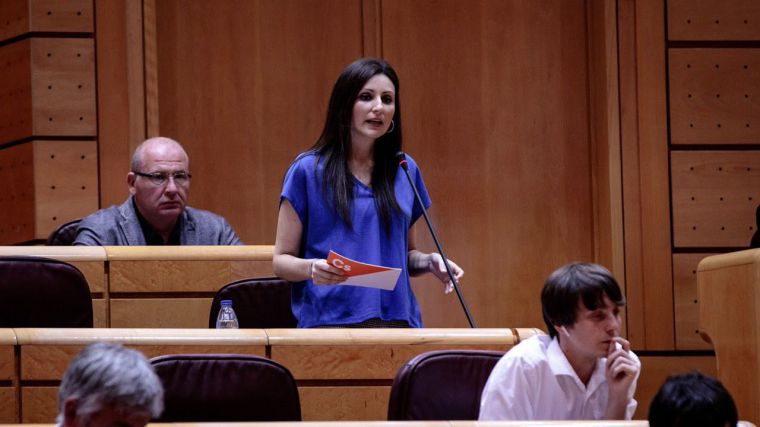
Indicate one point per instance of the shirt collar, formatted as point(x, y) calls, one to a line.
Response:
point(151, 237)
point(560, 366)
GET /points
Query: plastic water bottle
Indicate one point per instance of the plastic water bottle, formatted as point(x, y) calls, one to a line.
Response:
point(226, 318)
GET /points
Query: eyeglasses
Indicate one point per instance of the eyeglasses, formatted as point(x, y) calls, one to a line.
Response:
point(161, 178)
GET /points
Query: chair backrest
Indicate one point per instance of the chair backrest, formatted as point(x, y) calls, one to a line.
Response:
point(441, 385)
point(261, 302)
point(64, 235)
point(43, 293)
point(226, 387)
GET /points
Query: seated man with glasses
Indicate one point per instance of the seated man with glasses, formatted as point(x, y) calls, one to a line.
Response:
point(156, 213)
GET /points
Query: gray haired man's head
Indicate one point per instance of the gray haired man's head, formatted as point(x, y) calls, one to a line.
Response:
point(109, 383)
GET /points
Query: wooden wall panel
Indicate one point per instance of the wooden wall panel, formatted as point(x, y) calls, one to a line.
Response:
point(49, 88)
point(15, 20)
point(471, 75)
point(121, 93)
point(15, 91)
point(47, 184)
point(17, 197)
point(245, 91)
point(715, 194)
point(646, 198)
point(65, 183)
point(714, 96)
point(74, 16)
point(630, 162)
point(686, 302)
point(23, 16)
point(345, 403)
point(604, 119)
point(63, 87)
point(713, 20)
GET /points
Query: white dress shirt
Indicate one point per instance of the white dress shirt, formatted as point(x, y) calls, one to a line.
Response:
point(535, 381)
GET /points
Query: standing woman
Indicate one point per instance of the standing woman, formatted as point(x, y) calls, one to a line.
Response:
point(346, 194)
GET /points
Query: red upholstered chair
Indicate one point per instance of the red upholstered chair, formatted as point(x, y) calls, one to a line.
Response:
point(261, 302)
point(43, 293)
point(441, 385)
point(64, 235)
point(226, 387)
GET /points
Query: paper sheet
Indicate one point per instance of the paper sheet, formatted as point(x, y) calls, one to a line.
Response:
point(362, 274)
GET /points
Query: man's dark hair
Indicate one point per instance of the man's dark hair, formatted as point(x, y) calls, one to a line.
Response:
point(575, 282)
point(692, 400)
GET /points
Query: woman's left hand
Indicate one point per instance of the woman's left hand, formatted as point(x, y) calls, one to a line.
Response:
point(436, 266)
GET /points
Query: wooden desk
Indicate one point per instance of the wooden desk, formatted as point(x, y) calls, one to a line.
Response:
point(156, 287)
point(172, 287)
point(729, 313)
point(341, 374)
point(346, 374)
point(8, 377)
point(44, 354)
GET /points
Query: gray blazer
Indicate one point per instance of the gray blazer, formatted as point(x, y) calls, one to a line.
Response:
point(119, 226)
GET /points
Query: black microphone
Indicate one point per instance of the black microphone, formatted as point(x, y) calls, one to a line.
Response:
point(401, 157)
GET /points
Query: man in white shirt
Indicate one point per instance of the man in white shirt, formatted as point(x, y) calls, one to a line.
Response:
point(583, 370)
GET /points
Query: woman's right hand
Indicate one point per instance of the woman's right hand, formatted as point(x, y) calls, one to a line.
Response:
point(323, 273)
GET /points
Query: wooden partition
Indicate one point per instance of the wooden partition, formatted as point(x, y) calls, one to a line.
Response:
point(156, 287)
point(172, 287)
point(8, 377)
point(43, 355)
point(729, 289)
point(341, 374)
point(351, 370)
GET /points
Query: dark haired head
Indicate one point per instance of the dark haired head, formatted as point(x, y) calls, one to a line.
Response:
point(572, 283)
point(692, 400)
point(334, 144)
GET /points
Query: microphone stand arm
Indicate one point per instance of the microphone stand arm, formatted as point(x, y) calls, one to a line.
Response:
point(438, 245)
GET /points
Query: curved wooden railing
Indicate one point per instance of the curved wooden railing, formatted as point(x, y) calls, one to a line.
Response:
point(341, 374)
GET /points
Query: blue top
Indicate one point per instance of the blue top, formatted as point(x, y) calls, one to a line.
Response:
point(324, 230)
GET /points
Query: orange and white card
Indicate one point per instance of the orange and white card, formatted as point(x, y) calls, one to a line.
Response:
point(362, 274)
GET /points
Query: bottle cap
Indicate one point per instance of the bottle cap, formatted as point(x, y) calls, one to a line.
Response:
point(226, 302)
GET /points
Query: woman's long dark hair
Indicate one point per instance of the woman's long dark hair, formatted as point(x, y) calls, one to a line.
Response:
point(334, 144)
